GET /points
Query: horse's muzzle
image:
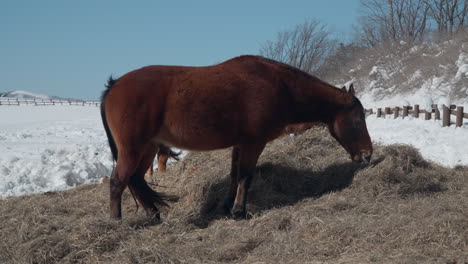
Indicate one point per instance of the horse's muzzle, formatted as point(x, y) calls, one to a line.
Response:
point(364, 156)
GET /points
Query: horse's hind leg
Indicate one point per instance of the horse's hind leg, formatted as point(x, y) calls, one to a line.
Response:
point(125, 168)
point(140, 189)
point(116, 189)
point(248, 156)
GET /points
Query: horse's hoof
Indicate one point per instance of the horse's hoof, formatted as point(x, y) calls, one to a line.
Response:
point(227, 208)
point(227, 205)
point(155, 215)
point(238, 213)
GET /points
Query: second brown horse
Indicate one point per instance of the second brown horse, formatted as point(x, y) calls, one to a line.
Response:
point(243, 102)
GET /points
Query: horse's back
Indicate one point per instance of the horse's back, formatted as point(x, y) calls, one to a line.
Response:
point(202, 107)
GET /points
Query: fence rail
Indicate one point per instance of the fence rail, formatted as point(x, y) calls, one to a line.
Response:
point(397, 111)
point(45, 102)
point(415, 112)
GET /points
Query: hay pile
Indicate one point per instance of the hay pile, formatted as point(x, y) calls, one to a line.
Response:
point(308, 203)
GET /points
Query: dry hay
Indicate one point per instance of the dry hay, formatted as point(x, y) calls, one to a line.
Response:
point(307, 204)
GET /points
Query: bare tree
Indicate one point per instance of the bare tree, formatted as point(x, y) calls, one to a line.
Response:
point(304, 47)
point(392, 20)
point(337, 64)
point(450, 15)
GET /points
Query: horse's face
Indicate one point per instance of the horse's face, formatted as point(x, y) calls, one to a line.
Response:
point(350, 130)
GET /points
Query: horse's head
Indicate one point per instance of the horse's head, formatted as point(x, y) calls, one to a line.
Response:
point(349, 128)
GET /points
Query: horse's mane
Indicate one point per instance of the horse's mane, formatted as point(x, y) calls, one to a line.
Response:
point(352, 100)
point(296, 70)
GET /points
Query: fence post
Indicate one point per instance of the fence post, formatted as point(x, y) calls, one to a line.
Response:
point(427, 115)
point(405, 111)
point(387, 111)
point(445, 116)
point(396, 112)
point(436, 112)
point(379, 112)
point(416, 111)
point(459, 116)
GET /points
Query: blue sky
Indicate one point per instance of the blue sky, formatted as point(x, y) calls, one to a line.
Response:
point(69, 48)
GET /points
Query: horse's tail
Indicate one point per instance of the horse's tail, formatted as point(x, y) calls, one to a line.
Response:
point(110, 138)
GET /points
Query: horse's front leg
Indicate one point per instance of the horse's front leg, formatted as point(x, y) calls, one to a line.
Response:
point(234, 175)
point(248, 156)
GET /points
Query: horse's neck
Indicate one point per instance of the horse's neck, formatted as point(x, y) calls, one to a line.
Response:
point(316, 101)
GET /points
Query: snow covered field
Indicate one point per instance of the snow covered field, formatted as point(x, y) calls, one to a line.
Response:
point(444, 145)
point(47, 148)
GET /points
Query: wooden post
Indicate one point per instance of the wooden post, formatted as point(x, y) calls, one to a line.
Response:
point(459, 116)
point(396, 112)
point(416, 111)
point(387, 111)
point(436, 112)
point(379, 112)
point(445, 116)
point(405, 111)
point(427, 115)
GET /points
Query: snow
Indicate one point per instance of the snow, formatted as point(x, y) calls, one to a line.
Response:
point(462, 59)
point(25, 94)
point(49, 148)
point(378, 71)
point(462, 64)
point(443, 145)
point(422, 96)
point(462, 71)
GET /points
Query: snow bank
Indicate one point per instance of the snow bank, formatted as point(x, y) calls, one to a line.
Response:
point(47, 148)
point(443, 145)
point(392, 73)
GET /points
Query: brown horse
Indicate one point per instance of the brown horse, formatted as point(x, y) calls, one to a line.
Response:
point(243, 102)
point(163, 155)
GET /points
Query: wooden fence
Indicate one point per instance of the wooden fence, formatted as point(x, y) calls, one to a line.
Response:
point(415, 112)
point(44, 102)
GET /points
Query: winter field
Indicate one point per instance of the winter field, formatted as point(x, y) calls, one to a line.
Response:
point(49, 148)
point(46, 148)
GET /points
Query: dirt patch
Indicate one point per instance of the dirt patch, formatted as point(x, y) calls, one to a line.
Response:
point(308, 204)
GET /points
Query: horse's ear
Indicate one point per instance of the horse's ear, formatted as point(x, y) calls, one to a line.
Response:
point(344, 89)
point(351, 89)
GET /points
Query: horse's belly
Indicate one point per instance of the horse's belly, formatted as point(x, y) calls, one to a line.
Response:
point(195, 138)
